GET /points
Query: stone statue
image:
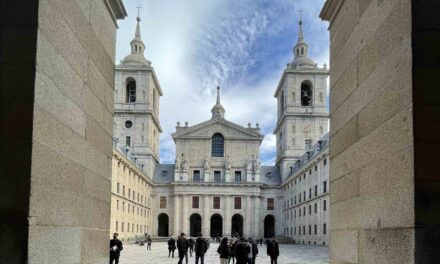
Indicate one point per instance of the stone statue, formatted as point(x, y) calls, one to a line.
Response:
point(207, 165)
point(185, 163)
point(256, 164)
point(227, 164)
point(249, 165)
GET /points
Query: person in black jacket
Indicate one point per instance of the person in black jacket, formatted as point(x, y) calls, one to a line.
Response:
point(254, 250)
point(242, 250)
point(171, 247)
point(201, 248)
point(182, 247)
point(149, 240)
point(191, 246)
point(273, 250)
point(223, 250)
point(115, 248)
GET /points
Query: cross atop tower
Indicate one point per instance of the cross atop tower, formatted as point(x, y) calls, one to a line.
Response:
point(300, 11)
point(139, 8)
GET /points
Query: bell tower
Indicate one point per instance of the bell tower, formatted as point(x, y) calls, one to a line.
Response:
point(136, 107)
point(302, 116)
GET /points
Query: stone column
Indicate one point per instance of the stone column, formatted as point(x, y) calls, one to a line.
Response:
point(176, 215)
point(185, 217)
point(257, 217)
point(206, 219)
point(227, 216)
point(248, 217)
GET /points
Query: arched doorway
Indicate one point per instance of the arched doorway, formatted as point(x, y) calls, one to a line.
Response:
point(269, 226)
point(162, 229)
point(216, 225)
point(237, 225)
point(195, 225)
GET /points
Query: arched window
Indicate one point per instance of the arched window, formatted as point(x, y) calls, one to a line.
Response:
point(306, 93)
point(131, 91)
point(218, 145)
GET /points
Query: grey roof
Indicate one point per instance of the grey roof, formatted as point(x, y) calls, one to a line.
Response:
point(270, 175)
point(164, 173)
point(125, 152)
point(316, 149)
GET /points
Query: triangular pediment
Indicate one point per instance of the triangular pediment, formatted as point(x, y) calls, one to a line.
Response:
point(208, 128)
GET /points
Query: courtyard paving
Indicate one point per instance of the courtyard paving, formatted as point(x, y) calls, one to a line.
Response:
point(289, 254)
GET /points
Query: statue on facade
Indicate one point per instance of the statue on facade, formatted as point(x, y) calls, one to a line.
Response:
point(207, 164)
point(178, 163)
point(256, 165)
point(185, 163)
point(249, 165)
point(227, 164)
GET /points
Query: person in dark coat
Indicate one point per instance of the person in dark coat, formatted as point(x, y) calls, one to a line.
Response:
point(232, 244)
point(115, 249)
point(191, 246)
point(171, 247)
point(200, 249)
point(223, 251)
point(182, 247)
point(272, 250)
point(254, 245)
point(242, 250)
point(149, 240)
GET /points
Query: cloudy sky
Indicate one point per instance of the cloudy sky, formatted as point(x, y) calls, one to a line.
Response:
point(243, 46)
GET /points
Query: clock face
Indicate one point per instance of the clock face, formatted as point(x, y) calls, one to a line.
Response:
point(128, 124)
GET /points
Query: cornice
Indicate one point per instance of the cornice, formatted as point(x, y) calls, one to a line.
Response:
point(284, 115)
point(330, 10)
point(116, 9)
point(122, 158)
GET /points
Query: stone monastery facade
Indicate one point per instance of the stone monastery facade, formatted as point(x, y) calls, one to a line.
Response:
point(217, 185)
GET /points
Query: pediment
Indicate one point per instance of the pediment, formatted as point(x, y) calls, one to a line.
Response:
point(226, 128)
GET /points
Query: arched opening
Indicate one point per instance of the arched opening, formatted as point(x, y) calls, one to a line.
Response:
point(131, 90)
point(216, 225)
point(237, 225)
point(269, 226)
point(163, 223)
point(195, 225)
point(218, 145)
point(306, 93)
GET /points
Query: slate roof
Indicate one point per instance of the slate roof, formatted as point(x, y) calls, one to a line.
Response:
point(164, 173)
point(270, 175)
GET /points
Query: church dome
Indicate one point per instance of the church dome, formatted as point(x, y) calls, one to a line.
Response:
point(134, 58)
point(303, 62)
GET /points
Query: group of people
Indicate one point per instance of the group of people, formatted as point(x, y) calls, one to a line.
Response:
point(237, 249)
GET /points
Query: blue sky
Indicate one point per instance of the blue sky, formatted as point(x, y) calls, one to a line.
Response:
point(243, 46)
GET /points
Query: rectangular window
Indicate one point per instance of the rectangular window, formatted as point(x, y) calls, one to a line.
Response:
point(128, 141)
point(196, 175)
point(300, 198)
point(117, 226)
point(299, 212)
point(316, 208)
point(324, 206)
point(123, 190)
point(128, 208)
point(310, 193)
point(237, 176)
point(270, 204)
point(237, 203)
point(316, 229)
point(129, 193)
point(325, 187)
point(122, 227)
point(295, 199)
point(316, 167)
point(294, 213)
point(163, 202)
point(299, 230)
point(304, 230)
point(123, 206)
point(310, 229)
point(324, 229)
point(195, 202)
point(117, 204)
point(325, 162)
point(217, 176)
point(216, 202)
point(310, 209)
point(316, 190)
point(308, 144)
point(304, 210)
point(117, 187)
point(305, 196)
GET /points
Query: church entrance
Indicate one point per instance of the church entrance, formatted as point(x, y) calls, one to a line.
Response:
point(237, 225)
point(269, 226)
point(195, 225)
point(216, 225)
point(162, 220)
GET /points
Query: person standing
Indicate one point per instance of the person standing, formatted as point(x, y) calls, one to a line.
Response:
point(200, 248)
point(223, 251)
point(254, 250)
point(171, 247)
point(232, 244)
point(182, 247)
point(149, 240)
point(251, 254)
point(191, 246)
point(115, 249)
point(242, 250)
point(273, 251)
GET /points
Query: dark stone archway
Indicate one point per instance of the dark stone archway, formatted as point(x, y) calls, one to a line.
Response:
point(163, 223)
point(216, 225)
point(195, 225)
point(237, 224)
point(269, 226)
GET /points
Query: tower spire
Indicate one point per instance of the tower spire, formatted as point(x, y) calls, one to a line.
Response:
point(300, 31)
point(218, 111)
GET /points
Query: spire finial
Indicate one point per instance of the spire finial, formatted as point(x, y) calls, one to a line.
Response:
point(300, 31)
point(218, 94)
point(138, 19)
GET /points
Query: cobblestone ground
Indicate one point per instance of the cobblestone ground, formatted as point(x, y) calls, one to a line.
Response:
point(289, 254)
